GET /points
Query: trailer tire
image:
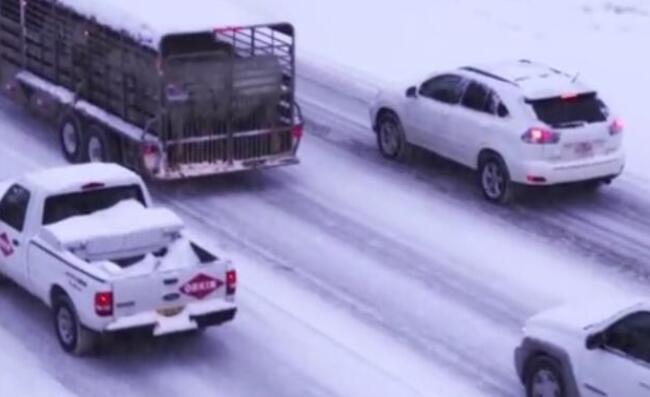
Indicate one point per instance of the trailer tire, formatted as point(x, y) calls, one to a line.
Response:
point(71, 137)
point(100, 147)
point(72, 335)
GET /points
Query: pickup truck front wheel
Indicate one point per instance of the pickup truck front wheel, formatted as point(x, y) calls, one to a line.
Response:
point(73, 337)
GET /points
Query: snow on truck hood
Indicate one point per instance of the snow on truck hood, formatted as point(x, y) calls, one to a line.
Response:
point(149, 20)
point(121, 231)
point(585, 315)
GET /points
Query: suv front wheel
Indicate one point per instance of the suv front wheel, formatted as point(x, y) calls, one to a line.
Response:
point(543, 378)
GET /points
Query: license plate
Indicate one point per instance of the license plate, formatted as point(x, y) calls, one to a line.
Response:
point(170, 311)
point(584, 149)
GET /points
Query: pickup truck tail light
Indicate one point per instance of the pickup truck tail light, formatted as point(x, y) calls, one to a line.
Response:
point(104, 304)
point(540, 136)
point(616, 127)
point(231, 282)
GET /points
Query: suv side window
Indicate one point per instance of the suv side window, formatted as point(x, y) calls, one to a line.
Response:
point(631, 336)
point(13, 207)
point(446, 88)
point(477, 98)
point(495, 106)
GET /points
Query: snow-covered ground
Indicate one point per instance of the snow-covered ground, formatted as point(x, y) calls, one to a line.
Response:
point(363, 277)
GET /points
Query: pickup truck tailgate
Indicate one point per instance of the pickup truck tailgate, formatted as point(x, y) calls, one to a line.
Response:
point(171, 300)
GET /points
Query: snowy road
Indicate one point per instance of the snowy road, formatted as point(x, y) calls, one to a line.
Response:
point(360, 276)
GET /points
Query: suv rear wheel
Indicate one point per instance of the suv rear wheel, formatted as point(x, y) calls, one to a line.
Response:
point(494, 179)
point(544, 378)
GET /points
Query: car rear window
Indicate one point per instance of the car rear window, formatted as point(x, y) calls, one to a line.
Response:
point(570, 111)
point(64, 206)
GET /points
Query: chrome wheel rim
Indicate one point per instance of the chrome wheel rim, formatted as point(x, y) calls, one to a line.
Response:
point(65, 324)
point(493, 180)
point(389, 135)
point(545, 384)
point(70, 141)
point(95, 150)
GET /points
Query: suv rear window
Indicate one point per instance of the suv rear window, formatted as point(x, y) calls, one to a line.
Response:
point(58, 208)
point(567, 112)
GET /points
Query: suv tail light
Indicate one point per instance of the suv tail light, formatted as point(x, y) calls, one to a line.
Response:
point(104, 304)
point(151, 157)
point(616, 127)
point(231, 282)
point(540, 136)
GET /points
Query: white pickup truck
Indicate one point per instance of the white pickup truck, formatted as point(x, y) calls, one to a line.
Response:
point(85, 240)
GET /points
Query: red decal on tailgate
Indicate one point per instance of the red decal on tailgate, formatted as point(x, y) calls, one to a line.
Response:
point(201, 286)
point(5, 245)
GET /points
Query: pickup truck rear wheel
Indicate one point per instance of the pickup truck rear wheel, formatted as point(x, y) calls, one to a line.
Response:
point(544, 378)
point(73, 336)
point(71, 137)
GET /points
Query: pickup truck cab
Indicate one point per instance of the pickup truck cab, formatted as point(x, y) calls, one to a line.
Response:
point(587, 350)
point(86, 241)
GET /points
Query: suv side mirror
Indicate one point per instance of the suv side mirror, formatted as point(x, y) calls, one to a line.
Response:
point(412, 92)
point(596, 341)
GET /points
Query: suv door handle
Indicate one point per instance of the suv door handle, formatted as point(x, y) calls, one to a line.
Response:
point(15, 242)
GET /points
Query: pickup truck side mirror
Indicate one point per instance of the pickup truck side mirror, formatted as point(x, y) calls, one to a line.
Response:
point(412, 92)
point(596, 341)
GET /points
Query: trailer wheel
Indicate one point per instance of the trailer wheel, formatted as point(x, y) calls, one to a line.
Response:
point(100, 147)
point(71, 137)
point(72, 335)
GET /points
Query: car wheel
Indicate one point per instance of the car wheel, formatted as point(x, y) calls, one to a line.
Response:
point(390, 137)
point(544, 379)
point(71, 137)
point(100, 147)
point(72, 335)
point(494, 180)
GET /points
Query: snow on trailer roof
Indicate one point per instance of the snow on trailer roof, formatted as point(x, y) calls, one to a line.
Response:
point(73, 177)
point(148, 21)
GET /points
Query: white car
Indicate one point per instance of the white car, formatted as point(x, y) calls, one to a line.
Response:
point(517, 123)
point(86, 241)
point(587, 350)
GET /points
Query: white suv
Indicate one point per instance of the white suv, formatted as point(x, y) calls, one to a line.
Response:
point(517, 123)
point(589, 350)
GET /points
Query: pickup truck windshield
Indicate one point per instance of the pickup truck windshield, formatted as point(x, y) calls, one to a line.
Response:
point(58, 208)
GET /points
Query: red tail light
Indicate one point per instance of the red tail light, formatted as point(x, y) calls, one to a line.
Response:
point(616, 127)
point(297, 132)
point(151, 157)
point(231, 282)
point(540, 136)
point(104, 304)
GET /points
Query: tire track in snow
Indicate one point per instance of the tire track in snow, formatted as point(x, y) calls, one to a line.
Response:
point(477, 368)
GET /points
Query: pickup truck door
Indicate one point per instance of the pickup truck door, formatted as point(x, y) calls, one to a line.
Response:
point(429, 114)
point(622, 366)
point(13, 214)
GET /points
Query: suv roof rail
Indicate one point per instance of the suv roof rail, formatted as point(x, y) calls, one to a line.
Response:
point(488, 74)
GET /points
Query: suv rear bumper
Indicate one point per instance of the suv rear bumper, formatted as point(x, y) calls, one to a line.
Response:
point(553, 173)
